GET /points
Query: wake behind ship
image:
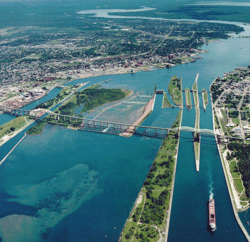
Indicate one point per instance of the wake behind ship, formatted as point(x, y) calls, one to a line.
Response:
point(211, 214)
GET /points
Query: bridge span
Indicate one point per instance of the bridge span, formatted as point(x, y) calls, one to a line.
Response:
point(100, 126)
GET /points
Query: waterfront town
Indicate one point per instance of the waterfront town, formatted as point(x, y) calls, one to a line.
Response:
point(120, 47)
point(231, 95)
point(34, 64)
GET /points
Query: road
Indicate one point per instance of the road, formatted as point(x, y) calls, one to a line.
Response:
point(239, 109)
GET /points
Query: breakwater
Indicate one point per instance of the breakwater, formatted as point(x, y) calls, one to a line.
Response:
point(1, 162)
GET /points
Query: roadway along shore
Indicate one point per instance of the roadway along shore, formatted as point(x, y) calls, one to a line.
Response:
point(228, 181)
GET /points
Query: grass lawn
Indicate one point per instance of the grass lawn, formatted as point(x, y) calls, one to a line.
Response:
point(174, 89)
point(234, 169)
point(243, 203)
point(236, 120)
point(223, 120)
point(194, 87)
point(238, 185)
point(205, 97)
point(166, 102)
point(13, 125)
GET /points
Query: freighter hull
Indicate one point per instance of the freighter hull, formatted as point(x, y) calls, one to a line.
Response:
point(211, 215)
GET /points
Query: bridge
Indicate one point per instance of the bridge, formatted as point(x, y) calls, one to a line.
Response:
point(18, 112)
point(100, 126)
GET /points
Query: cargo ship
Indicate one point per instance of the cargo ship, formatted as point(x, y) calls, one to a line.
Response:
point(211, 214)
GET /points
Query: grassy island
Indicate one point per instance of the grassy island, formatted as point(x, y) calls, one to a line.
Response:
point(197, 124)
point(166, 102)
point(174, 89)
point(188, 98)
point(204, 98)
point(150, 212)
point(91, 97)
point(37, 128)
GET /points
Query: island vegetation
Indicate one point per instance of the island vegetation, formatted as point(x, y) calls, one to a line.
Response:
point(174, 89)
point(37, 128)
point(147, 219)
point(91, 97)
point(166, 102)
point(188, 99)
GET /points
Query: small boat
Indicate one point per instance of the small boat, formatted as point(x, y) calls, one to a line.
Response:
point(211, 212)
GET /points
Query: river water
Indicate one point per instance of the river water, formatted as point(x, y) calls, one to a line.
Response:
point(77, 186)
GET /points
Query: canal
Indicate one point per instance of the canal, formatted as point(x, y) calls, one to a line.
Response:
point(68, 185)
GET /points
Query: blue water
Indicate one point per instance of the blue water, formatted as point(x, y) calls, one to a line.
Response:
point(41, 176)
point(111, 187)
point(79, 109)
point(5, 118)
point(193, 189)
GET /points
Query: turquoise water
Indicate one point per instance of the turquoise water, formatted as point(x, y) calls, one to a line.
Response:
point(69, 187)
point(5, 118)
point(74, 186)
point(193, 189)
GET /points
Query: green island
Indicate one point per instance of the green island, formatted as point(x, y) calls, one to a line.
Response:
point(188, 99)
point(197, 125)
point(91, 97)
point(174, 89)
point(232, 119)
point(166, 102)
point(146, 221)
point(204, 98)
point(37, 128)
point(13, 125)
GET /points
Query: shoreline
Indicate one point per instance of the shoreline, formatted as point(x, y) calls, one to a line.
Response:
point(141, 197)
point(6, 138)
point(173, 182)
point(229, 185)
